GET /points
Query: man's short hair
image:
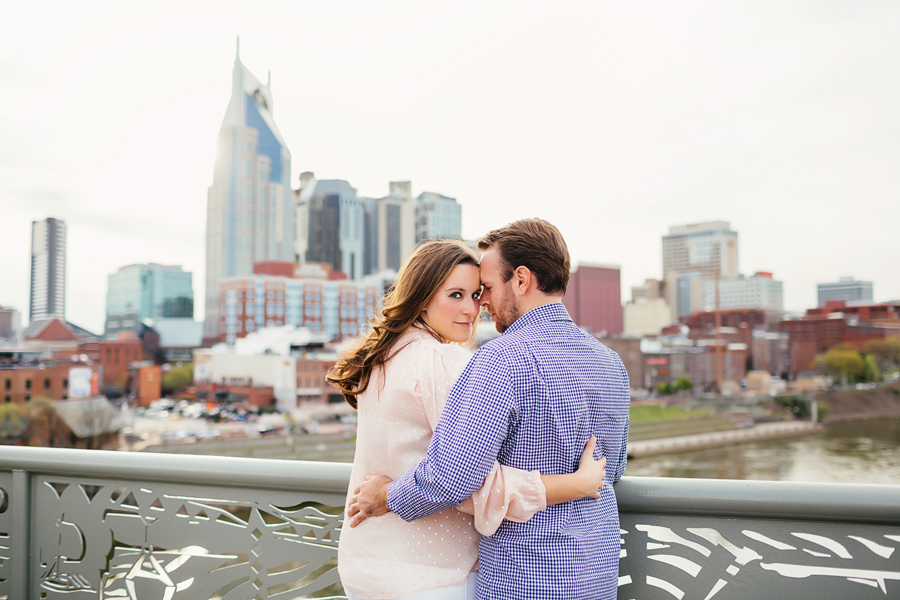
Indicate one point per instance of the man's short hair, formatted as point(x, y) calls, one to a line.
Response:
point(535, 244)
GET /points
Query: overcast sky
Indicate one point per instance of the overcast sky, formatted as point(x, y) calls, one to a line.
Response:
point(612, 120)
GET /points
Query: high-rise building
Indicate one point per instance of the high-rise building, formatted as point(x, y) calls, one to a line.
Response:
point(396, 233)
point(760, 291)
point(708, 248)
point(689, 294)
point(847, 289)
point(250, 208)
point(48, 269)
point(151, 291)
point(437, 216)
point(338, 308)
point(335, 220)
point(390, 226)
point(10, 323)
point(594, 298)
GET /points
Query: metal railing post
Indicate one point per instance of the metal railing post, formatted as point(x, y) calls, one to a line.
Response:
point(20, 536)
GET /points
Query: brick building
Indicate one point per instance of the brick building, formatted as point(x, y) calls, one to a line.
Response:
point(21, 383)
point(114, 359)
point(629, 350)
point(887, 312)
point(815, 335)
point(323, 301)
point(311, 385)
point(594, 299)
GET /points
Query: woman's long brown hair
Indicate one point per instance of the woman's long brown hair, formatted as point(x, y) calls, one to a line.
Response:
point(418, 280)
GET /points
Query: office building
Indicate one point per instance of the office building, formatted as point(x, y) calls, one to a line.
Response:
point(689, 294)
point(437, 216)
point(395, 227)
point(390, 229)
point(847, 289)
point(10, 323)
point(707, 248)
point(594, 298)
point(337, 308)
point(250, 207)
point(335, 221)
point(649, 290)
point(48, 269)
point(760, 291)
point(646, 317)
point(147, 291)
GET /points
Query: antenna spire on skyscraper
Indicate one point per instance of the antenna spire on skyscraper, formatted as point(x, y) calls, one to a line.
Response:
point(237, 54)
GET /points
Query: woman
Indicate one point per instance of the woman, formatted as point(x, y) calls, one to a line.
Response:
point(398, 377)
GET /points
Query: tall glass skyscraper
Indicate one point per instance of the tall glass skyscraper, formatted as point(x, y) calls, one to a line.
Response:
point(48, 269)
point(151, 291)
point(250, 212)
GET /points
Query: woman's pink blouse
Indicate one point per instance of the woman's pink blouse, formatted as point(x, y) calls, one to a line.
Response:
point(386, 557)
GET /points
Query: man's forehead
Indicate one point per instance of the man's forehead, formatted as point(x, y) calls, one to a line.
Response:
point(489, 264)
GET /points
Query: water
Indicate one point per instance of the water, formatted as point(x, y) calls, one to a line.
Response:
point(856, 452)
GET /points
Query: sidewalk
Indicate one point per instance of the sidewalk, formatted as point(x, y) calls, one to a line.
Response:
point(714, 439)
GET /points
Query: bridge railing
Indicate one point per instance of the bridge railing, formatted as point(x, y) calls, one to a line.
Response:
point(118, 525)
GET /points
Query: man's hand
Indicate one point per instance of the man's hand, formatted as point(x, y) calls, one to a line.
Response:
point(369, 499)
point(591, 471)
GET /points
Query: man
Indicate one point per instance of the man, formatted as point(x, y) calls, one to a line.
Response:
point(529, 399)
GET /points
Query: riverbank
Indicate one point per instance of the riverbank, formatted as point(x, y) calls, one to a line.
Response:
point(860, 405)
point(715, 439)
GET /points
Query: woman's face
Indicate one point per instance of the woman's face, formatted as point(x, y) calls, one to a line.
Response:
point(454, 307)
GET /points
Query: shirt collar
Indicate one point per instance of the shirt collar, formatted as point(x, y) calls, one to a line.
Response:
point(555, 311)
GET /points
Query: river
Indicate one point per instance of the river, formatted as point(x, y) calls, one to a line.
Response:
point(853, 452)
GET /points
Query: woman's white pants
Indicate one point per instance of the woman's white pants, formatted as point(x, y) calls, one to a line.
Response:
point(463, 591)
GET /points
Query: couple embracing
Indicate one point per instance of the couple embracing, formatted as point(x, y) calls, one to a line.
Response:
point(475, 476)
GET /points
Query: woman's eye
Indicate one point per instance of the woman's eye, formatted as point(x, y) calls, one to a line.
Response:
point(456, 295)
point(476, 295)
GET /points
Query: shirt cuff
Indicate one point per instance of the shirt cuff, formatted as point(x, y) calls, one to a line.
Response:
point(401, 496)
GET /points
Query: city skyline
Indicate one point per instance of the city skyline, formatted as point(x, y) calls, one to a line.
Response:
point(613, 125)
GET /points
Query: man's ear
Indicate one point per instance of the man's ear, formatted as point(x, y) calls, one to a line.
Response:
point(523, 279)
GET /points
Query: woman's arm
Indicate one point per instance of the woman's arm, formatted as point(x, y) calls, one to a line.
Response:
point(583, 483)
point(517, 495)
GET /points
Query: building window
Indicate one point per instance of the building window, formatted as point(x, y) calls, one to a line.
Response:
point(27, 384)
point(46, 384)
point(6, 399)
point(8, 384)
point(65, 385)
point(27, 397)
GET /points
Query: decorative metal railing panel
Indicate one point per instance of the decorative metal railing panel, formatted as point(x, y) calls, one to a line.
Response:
point(127, 526)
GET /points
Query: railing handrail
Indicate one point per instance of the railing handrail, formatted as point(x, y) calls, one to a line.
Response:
point(839, 502)
point(257, 473)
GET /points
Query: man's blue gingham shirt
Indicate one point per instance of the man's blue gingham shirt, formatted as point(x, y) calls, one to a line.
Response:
point(530, 399)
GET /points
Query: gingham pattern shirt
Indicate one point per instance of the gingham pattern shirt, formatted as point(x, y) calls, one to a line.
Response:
point(530, 399)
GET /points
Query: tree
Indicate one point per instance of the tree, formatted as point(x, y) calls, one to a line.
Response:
point(683, 384)
point(177, 379)
point(13, 424)
point(42, 421)
point(886, 352)
point(664, 388)
point(870, 369)
point(842, 364)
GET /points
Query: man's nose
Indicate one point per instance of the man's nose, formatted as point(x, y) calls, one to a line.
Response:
point(485, 298)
